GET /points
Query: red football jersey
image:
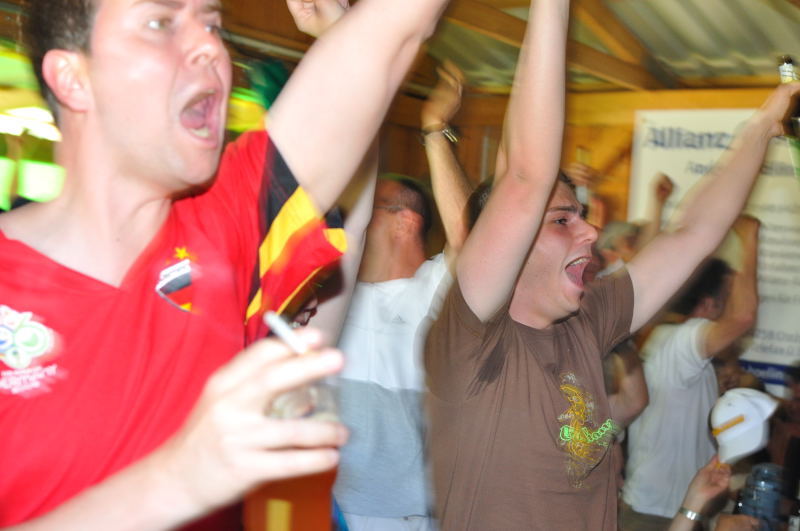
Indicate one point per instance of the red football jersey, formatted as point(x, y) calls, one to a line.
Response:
point(93, 377)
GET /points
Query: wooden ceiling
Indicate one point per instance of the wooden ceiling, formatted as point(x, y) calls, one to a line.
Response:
point(612, 59)
point(628, 66)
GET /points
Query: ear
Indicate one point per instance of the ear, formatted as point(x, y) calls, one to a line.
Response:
point(65, 74)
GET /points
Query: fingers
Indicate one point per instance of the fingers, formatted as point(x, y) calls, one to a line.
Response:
point(448, 81)
point(332, 10)
point(265, 384)
point(286, 434)
point(453, 70)
point(449, 71)
point(737, 522)
point(274, 466)
point(581, 174)
point(263, 354)
point(445, 99)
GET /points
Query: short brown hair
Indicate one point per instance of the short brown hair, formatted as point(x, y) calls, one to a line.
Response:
point(57, 25)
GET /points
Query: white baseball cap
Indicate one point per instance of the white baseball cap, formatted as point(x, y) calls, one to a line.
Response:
point(739, 422)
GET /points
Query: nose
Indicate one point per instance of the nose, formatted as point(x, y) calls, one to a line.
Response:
point(587, 232)
point(204, 45)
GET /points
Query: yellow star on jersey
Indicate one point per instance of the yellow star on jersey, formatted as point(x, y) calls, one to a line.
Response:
point(181, 253)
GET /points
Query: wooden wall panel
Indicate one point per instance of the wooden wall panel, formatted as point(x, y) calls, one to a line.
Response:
point(272, 18)
point(609, 151)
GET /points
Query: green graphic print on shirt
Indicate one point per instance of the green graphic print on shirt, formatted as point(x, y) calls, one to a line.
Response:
point(584, 441)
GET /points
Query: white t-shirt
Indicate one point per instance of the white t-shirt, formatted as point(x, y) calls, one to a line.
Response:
point(382, 472)
point(671, 439)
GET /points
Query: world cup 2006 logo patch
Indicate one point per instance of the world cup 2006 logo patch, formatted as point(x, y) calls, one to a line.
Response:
point(23, 342)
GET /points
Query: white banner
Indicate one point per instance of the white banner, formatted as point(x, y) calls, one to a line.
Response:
point(685, 145)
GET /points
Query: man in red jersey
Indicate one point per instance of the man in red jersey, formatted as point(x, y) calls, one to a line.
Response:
point(123, 402)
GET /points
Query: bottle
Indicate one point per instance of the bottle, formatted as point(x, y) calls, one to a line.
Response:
point(786, 69)
point(788, 73)
point(761, 496)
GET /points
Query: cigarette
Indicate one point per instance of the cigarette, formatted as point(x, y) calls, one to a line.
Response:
point(282, 329)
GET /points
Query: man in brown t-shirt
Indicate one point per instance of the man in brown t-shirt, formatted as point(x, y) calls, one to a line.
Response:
point(520, 423)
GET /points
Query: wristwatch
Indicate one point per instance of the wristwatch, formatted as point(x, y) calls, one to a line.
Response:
point(690, 514)
point(448, 132)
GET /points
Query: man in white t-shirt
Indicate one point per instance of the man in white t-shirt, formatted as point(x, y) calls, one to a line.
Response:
point(381, 483)
point(671, 441)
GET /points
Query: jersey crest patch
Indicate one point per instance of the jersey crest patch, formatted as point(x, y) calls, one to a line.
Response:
point(175, 281)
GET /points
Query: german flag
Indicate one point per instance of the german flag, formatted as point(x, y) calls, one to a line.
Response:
point(298, 244)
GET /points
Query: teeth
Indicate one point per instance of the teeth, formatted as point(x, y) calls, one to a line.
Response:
point(203, 132)
point(579, 261)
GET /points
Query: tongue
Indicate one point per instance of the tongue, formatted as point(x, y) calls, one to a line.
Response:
point(575, 273)
point(193, 117)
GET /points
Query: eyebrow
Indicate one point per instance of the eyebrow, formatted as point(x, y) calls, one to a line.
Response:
point(564, 208)
point(213, 6)
point(174, 4)
point(570, 209)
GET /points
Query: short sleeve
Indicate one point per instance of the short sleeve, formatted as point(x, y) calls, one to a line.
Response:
point(607, 309)
point(457, 346)
point(269, 225)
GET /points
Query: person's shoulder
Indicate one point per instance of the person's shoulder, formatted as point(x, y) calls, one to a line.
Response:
point(436, 264)
point(22, 225)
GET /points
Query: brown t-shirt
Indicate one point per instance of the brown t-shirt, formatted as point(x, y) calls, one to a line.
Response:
point(519, 419)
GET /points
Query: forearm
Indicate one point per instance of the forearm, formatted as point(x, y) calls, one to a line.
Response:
point(712, 206)
point(534, 123)
point(742, 304)
point(630, 396)
point(743, 299)
point(333, 310)
point(652, 227)
point(451, 188)
point(706, 216)
point(332, 106)
point(141, 496)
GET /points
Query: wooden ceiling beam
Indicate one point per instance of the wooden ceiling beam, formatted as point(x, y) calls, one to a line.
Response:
point(592, 61)
point(479, 17)
point(486, 20)
point(614, 35)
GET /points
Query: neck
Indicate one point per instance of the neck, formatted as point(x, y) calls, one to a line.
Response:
point(101, 221)
point(522, 310)
point(390, 260)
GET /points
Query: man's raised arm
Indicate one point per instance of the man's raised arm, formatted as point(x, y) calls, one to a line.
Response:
point(527, 165)
point(707, 212)
point(450, 185)
point(330, 110)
